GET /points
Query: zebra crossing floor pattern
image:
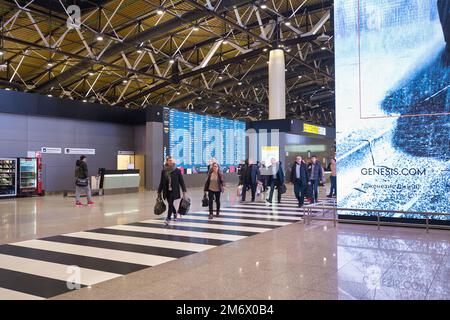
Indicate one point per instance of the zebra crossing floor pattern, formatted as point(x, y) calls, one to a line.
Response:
point(47, 267)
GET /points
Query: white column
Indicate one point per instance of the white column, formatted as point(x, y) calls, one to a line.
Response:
point(277, 85)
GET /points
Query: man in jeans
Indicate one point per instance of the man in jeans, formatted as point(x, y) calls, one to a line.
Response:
point(333, 179)
point(82, 181)
point(315, 172)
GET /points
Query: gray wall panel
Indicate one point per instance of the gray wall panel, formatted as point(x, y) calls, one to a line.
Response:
point(21, 133)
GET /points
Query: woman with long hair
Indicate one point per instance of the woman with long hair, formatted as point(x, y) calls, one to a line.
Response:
point(214, 186)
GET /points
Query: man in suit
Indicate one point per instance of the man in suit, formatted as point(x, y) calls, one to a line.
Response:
point(315, 175)
point(299, 178)
point(250, 178)
point(275, 179)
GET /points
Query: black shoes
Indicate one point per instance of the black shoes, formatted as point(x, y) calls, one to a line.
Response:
point(268, 201)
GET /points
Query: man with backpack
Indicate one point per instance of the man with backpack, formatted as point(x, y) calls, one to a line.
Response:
point(82, 181)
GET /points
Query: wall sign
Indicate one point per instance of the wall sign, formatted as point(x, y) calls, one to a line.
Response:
point(309, 128)
point(125, 153)
point(51, 150)
point(79, 151)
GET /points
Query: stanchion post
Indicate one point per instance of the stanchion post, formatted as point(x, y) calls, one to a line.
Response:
point(428, 229)
point(378, 219)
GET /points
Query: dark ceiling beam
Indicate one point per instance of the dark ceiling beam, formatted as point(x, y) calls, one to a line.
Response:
point(307, 9)
point(218, 65)
point(76, 69)
point(219, 16)
point(132, 41)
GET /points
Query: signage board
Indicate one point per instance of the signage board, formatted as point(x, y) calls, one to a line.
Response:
point(79, 151)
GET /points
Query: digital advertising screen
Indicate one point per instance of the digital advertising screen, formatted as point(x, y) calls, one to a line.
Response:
point(193, 140)
point(393, 106)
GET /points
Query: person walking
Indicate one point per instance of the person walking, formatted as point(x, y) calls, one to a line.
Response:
point(315, 174)
point(82, 181)
point(250, 178)
point(275, 179)
point(170, 183)
point(214, 186)
point(333, 188)
point(299, 178)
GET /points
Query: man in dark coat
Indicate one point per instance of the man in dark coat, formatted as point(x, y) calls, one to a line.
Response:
point(250, 179)
point(299, 177)
point(315, 176)
point(170, 184)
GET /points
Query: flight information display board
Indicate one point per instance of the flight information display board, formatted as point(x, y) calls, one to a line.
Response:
point(194, 139)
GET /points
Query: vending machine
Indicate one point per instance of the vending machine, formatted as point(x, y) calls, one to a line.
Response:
point(28, 174)
point(8, 177)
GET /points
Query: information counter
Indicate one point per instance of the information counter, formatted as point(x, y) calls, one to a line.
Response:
point(119, 181)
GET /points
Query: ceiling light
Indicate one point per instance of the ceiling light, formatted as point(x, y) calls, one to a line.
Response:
point(84, 100)
point(265, 49)
point(263, 6)
point(125, 81)
point(300, 77)
point(323, 48)
point(50, 64)
point(288, 23)
point(49, 95)
point(323, 87)
point(220, 77)
point(195, 28)
point(217, 101)
point(91, 73)
point(139, 51)
point(225, 41)
point(199, 98)
point(2, 52)
point(172, 60)
point(323, 37)
point(239, 83)
point(8, 89)
point(178, 93)
point(288, 50)
point(160, 10)
point(99, 37)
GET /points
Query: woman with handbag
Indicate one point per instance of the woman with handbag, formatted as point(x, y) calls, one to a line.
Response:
point(169, 185)
point(82, 182)
point(214, 186)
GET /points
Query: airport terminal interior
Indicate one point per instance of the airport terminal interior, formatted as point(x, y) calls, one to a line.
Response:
point(224, 150)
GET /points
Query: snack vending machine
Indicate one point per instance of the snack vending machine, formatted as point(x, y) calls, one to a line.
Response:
point(28, 181)
point(8, 177)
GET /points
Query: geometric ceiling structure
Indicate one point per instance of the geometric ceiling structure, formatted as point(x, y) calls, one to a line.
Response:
point(202, 55)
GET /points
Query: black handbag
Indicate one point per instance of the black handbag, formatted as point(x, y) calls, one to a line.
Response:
point(160, 206)
point(205, 201)
point(283, 189)
point(82, 182)
point(185, 205)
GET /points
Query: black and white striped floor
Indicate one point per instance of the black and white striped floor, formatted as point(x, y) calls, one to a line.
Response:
point(43, 268)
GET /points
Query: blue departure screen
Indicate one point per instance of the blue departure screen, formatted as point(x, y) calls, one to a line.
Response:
point(194, 139)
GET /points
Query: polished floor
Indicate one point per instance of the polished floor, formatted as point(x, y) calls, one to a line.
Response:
point(118, 249)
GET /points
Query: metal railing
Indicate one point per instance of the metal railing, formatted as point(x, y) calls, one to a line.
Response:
point(325, 207)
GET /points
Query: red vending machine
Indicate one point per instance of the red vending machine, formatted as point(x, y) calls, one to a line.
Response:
point(28, 177)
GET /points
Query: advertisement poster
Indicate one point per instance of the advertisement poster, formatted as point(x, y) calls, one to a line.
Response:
point(269, 152)
point(393, 106)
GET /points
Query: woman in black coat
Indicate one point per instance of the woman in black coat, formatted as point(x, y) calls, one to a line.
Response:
point(169, 185)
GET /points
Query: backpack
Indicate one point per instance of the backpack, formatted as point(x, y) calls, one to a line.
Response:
point(78, 171)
